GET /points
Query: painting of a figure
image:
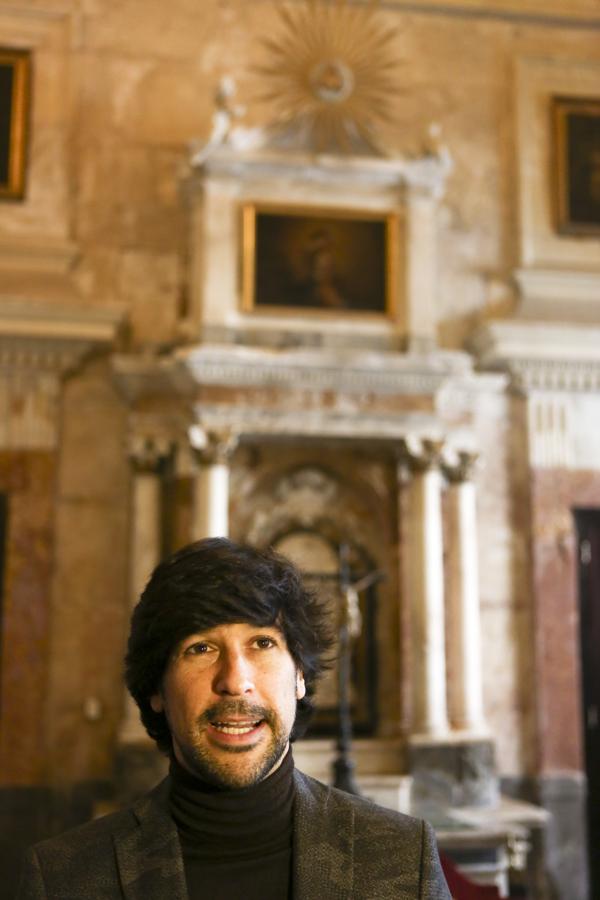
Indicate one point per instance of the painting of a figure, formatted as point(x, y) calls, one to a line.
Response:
point(577, 158)
point(14, 100)
point(321, 261)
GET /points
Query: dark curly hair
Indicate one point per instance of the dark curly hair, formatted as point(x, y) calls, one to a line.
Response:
point(214, 582)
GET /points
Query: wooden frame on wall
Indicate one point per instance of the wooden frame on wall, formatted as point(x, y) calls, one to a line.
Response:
point(15, 76)
point(576, 127)
point(309, 260)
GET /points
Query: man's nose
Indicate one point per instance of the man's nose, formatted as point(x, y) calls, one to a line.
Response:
point(234, 676)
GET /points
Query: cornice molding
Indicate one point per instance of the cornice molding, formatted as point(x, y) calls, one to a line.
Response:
point(559, 295)
point(36, 254)
point(40, 336)
point(541, 356)
point(427, 173)
point(41, 355)
point(343, 371)
point(279, 423)
point(557, 14)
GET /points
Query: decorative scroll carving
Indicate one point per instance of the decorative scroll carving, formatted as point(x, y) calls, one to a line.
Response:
point(461, 470)
point(211, 447)
point(147, 453)
point(423, 455)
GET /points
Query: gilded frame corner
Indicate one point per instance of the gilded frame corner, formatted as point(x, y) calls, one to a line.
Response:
point(576, 164)
point(14, 128)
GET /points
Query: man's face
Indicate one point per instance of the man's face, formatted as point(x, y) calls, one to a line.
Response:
point(229, 694)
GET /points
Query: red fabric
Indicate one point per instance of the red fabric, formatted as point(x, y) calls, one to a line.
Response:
point(462, 888)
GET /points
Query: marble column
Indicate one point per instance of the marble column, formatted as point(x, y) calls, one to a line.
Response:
point(146, 456)
point(426, 579)
point(463, 621)
point(212, 451)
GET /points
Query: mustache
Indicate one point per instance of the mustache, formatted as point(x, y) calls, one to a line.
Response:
point(220, 711)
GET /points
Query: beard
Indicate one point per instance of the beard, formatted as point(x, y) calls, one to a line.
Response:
point(212, 766)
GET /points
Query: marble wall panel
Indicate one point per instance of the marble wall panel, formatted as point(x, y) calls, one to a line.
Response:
point(555, 494)
point(89, 629)
point(508, 686)
point(29, 479)
point(501, 478)
point(90, 588)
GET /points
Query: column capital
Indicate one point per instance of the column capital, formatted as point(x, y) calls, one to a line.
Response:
point(211, 447)
point(462, 468)
point(147, 452)
point(421, 455)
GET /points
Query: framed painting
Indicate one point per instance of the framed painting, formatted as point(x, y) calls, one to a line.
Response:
point(322, 261)
point(577, 165)
point(15, 68)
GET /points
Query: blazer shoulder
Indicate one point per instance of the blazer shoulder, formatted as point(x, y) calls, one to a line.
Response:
point(362, 809)
point(87, 851)
point(369, 850)
point(118, 822)
point(89, 833)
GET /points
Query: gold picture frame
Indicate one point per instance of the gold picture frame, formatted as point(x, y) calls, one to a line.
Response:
point(318, 261)
point(15, 75)
point(576, 126)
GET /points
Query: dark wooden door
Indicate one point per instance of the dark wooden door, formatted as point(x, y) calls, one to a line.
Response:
point(588, 531)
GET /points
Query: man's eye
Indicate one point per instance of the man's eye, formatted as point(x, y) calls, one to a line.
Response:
point(198, 649)
point(263, 643)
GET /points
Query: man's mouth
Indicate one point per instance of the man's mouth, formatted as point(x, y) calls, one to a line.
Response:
point(236, 727)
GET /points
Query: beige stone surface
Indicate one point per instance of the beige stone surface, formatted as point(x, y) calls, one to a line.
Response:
point(507, 686)
point(88, 633)
point(90, 588)
point(119, 95)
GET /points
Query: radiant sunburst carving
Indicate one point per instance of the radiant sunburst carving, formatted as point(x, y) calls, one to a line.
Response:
point(331, 71)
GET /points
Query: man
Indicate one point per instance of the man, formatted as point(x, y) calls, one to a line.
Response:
point(225, 648)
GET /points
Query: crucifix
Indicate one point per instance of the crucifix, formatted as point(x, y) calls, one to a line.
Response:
point(350, 625)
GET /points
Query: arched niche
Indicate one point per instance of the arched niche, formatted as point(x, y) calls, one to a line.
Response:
point(307, 501)
point(317, 555)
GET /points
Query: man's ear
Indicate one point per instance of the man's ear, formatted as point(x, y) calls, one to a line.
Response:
point(300, 686)
point(156, 702)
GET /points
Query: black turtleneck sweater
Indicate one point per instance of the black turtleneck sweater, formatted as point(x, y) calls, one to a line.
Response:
point(235, 843)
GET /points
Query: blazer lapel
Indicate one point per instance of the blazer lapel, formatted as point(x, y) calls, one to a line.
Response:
point(323, 867)
point(148, 852)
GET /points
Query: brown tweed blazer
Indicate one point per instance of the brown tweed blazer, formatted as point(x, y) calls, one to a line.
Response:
point(345, 848)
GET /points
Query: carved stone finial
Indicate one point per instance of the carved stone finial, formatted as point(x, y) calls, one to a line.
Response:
point(224, 115)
